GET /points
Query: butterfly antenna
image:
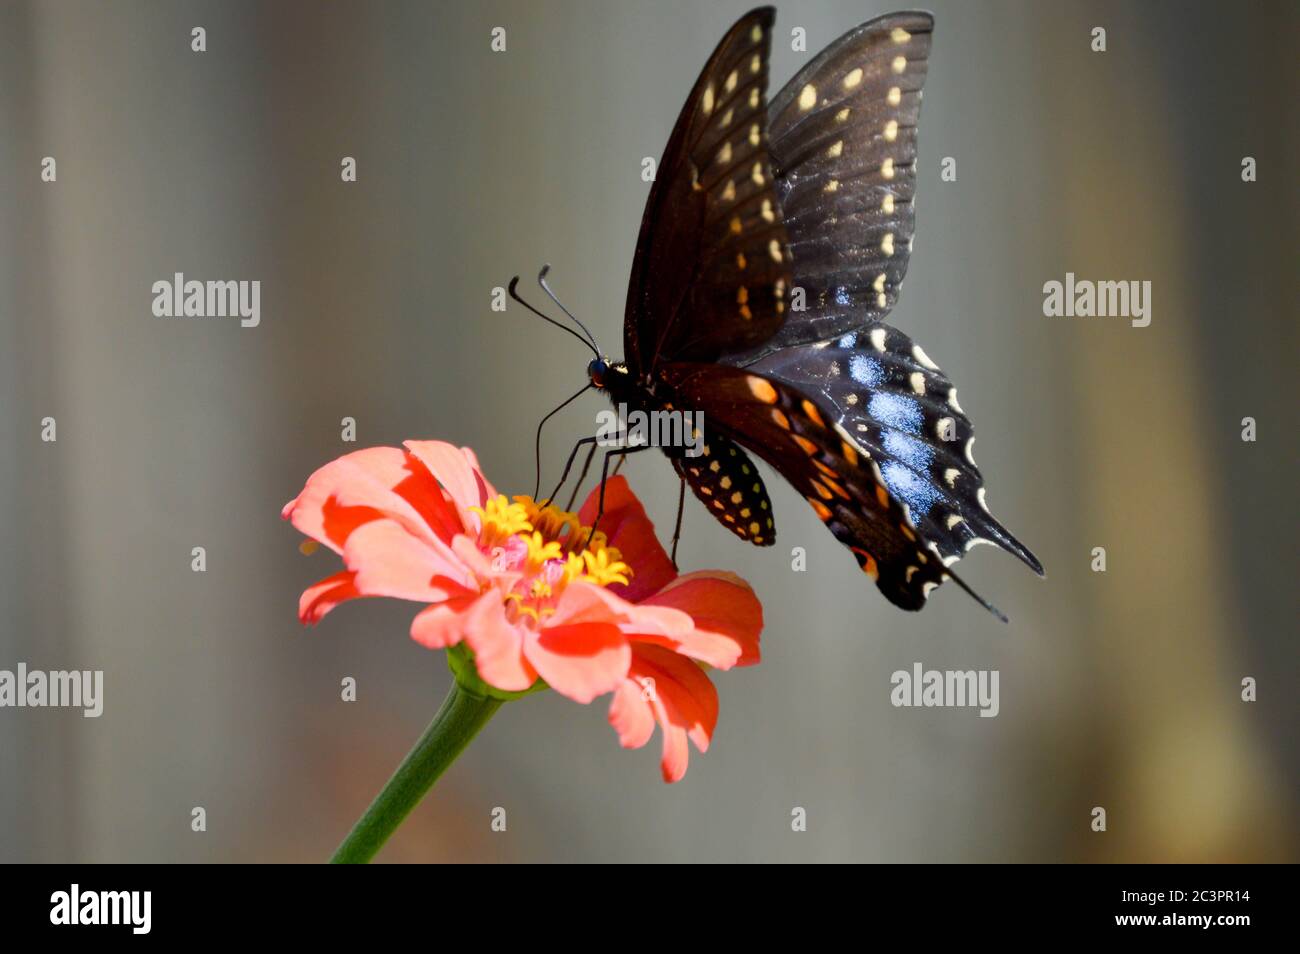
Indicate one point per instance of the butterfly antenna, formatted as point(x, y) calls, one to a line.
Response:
point(515, 295)
point(541, 280)
point(976, 597)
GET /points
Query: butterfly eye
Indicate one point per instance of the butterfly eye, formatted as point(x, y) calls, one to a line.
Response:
point(597, 370)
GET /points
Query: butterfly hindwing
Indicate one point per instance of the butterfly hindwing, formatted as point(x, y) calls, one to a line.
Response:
point(895, 403)
point(788, 429)
point(712, 265)
point(843, 147)
point(728, 484)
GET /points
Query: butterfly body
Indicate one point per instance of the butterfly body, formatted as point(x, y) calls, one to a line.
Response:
point(774, 242)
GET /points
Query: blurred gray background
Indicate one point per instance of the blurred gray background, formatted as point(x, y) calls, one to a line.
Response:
point(1119, 689)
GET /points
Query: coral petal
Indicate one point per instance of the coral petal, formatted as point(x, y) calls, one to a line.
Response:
point(627, 527)
point(581, 660)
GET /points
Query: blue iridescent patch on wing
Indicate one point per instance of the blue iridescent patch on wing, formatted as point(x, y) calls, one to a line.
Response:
point(904, 484)
point(866, 371)
point(903, 413)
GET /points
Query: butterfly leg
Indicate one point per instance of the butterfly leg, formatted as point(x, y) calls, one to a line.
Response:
point(604, 478)
point(677, 530)
point(586, 466)
point(568, 465)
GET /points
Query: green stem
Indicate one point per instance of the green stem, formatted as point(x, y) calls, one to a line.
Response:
point(457, 722)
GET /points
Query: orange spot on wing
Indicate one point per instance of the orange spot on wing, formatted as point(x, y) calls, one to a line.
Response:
point(762, 389)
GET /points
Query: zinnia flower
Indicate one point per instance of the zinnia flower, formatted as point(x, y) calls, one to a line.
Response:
point(530, 590)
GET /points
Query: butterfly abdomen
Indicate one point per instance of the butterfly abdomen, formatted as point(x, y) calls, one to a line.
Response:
point(728, 484)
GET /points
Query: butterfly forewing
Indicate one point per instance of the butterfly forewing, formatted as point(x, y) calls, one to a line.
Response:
point(843, 147)
point(712, 266)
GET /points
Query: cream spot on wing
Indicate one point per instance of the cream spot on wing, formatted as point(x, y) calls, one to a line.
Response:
point(725, 121)
point(887, 243)
point(887, 168)
point(970, 452)
point(950, 476)
point(736, 226)
point(899, 64)
point(767, 213)
point(943, 427)
point(917, 380)
point(923, 359)
point(979, 495)
point(887, 206)
point(832, 186)
point(895, 96)
point(774, 249)
point(757, 174)
point(708, 99)
point(877, 337)
point(808, 97)
point(733, 78)
point(836, 148)
point(891, 130)
point(724, 154)
point(952, 401)
point(853, 79)
point(842, 115)
point(741, 261)
point(954, 519)
point(729, 193)
point(756, 34)
point(879, 283)
point(755, 64)
point(753, 135)
point(927, 587)
point(753, 98)
point(899, 35)
point(909, 573)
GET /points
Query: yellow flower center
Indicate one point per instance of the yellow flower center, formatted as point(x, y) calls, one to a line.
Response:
point(549, 548)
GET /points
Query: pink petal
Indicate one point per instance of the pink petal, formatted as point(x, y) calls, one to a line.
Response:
point(682, 700)
point(586, 602)
point(319, 598)
point(627, 527)
point(727, 615)
point(364, 486)
point(631, 716)
point(456, 468)
point(442, 624)
point(498, 645)
point(580, 660)
point(389, 561)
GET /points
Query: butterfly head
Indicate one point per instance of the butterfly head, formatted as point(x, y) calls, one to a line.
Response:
point(600, 370)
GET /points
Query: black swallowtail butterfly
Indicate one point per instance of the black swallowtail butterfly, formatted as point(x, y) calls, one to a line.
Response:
point(774, 242)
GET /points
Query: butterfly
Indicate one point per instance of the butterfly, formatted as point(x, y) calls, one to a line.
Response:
point(773, 244)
